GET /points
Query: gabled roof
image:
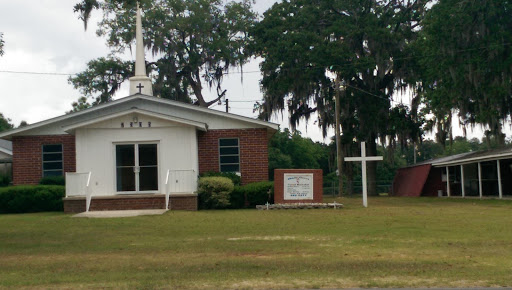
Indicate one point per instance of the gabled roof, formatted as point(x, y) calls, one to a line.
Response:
point(159, 101)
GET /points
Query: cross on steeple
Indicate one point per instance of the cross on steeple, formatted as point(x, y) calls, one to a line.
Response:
point(140, 86)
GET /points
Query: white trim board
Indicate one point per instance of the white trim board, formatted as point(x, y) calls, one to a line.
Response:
point(474, 159)
point(9, 152)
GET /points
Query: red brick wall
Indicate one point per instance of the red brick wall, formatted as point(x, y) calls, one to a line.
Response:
point(27, 156)
point(77, 204)
point(253, 152)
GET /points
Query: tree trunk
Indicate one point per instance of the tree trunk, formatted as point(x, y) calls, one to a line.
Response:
point(348, 169)
point(371, 167)
point(349, 173)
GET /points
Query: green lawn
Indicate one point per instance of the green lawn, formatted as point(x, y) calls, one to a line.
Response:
point(396, 242)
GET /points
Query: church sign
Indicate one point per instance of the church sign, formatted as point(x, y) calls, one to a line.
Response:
point(298, 186)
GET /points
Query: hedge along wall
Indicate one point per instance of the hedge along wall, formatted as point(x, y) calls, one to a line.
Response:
point(31, 198)
point(252, 194)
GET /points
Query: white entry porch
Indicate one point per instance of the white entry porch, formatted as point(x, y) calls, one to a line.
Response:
point(178, 194)
point(134, 160)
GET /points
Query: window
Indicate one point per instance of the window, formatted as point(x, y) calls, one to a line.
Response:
point(52, 160)
point(229, 155)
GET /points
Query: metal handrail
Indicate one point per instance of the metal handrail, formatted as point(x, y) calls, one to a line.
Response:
point(84, 190)
point(88, 193)
point(168, 182)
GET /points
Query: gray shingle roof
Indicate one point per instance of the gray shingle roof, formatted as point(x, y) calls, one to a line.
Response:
point(469, 157)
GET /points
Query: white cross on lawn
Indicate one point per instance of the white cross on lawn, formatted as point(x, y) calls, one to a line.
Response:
point(363, 160)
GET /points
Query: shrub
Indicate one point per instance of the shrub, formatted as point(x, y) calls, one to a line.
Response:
point(259, 192)
point(52, 180)
point(31, 198)
point(231, 175)
point(252, 194)
point(237, 198)
point(214, 192)
point(4, 180)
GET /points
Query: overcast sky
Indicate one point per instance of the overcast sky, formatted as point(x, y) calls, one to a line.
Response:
point(45, 36)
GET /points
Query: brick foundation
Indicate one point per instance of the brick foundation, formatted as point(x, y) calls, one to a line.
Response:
point(27, 157)
point(127, 202)
point(253, 152)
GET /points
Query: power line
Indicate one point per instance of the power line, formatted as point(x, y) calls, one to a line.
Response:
point(372, 94)
point(248, 101)
point(36, 73)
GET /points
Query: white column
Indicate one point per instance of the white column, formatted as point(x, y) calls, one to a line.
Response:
point(448, 192)
point(462, 180)
point(499, 179)
point(480, 179)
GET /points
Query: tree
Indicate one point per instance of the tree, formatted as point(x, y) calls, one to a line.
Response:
point(80, 105)
point(103, 76)
point(464, 56)
point(195, 43)
point(360, 42)
point(5, 123)
point(23, 123)
point(291, 150)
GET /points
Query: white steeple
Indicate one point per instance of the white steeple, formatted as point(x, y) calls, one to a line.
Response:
point(140, 83)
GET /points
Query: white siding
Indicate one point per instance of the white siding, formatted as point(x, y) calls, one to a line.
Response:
point(95, 151)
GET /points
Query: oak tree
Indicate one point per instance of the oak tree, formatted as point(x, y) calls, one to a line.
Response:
point(194, 43)
point(305, 44)
point(465, 65)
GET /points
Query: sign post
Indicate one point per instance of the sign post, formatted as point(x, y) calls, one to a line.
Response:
point(363, 159)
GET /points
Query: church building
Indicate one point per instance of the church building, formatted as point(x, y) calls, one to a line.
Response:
point(140, 151)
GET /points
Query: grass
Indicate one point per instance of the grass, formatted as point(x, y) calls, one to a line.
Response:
point(396, 242)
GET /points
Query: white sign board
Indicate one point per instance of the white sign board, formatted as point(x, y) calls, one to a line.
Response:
point(298, 186)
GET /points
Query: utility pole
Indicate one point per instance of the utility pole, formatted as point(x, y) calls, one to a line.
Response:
point(338, 135)
point(227, 106)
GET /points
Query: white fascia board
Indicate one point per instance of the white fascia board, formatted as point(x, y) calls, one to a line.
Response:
point(199, 125)
point(6, 151)
point(8, 134)
point(473, 160)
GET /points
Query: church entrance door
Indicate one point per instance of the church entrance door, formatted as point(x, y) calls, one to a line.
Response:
point(136, 168)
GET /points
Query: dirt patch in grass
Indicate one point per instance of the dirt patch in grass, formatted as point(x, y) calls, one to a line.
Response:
point(265, 238)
